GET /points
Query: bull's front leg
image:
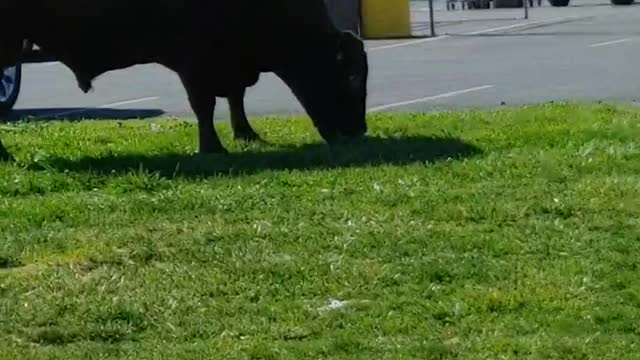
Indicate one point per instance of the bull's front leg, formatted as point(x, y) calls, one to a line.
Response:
point(203, 104)
point(242, 130)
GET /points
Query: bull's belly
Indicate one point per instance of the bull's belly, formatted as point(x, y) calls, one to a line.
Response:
point(222, 75)
point(228, 88)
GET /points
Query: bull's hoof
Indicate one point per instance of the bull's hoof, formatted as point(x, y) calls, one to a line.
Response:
point(249, 136)
point(337, 140)
point(213, 151)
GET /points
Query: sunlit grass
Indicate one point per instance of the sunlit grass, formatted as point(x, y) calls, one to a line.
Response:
point(512, 234)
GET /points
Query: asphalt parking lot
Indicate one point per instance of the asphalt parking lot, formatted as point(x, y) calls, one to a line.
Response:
point(482, 58)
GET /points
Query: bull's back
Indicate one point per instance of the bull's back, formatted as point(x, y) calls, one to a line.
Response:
point(126, 23)
point(229, 36)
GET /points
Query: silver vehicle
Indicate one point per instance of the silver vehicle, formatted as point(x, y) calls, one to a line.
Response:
point(11, 77)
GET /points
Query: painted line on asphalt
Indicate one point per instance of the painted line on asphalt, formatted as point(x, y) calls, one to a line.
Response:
point(612, 42)
point(479, 32)
point(114, 104)
point(129, 102)
point(528, 25)
point(430, 98)
point(407, 43)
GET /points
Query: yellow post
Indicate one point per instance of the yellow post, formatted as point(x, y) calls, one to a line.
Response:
point(383, 19)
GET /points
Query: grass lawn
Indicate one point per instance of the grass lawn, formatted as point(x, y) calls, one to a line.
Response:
point(502, 234)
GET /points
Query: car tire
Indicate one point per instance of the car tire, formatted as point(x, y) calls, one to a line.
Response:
point(10, 81)
point(507, 4)
point(622, 2)
point(559, 3)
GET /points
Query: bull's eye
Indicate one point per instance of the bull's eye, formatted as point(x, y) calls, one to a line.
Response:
point(339, 57)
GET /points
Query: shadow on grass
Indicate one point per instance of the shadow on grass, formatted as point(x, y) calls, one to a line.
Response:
point(9, 263)
point(370, 152)
point(80, 113)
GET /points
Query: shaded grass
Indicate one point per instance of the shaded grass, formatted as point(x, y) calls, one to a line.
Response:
point(457, 235)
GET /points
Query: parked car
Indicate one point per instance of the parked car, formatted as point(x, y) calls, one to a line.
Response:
point(10, 87)
point(11, 77)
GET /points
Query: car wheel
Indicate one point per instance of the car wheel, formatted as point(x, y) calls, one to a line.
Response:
point(559, 2)
point(622, 2)
point(11, 78)
point(498, 4)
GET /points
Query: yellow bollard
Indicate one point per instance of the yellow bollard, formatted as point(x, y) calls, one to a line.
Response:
point(384, 19)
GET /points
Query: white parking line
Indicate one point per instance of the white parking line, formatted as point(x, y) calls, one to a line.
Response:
point(407, 43)
point(612, 42)
point(479, 32)
point(430, 98)
point(115, 104)
point(129, 102)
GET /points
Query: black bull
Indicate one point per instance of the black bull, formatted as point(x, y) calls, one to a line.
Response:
point(217, 48)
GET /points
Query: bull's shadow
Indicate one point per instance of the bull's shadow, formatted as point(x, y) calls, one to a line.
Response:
point(369, 152)
point(79, 113)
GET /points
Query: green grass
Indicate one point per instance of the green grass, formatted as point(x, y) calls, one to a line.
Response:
point(502, 234)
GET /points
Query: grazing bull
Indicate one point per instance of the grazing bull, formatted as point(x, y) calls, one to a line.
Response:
point(217, 48)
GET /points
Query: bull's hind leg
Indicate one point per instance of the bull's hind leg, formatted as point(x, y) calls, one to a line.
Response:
point(242, 130)
point(203, 104)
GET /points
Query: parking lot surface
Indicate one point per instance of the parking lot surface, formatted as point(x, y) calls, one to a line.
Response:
point(481, 58)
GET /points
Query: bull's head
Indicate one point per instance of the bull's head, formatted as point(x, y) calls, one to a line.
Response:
point(332, 87)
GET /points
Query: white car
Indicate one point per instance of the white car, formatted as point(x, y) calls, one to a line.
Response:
point(11, 77)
